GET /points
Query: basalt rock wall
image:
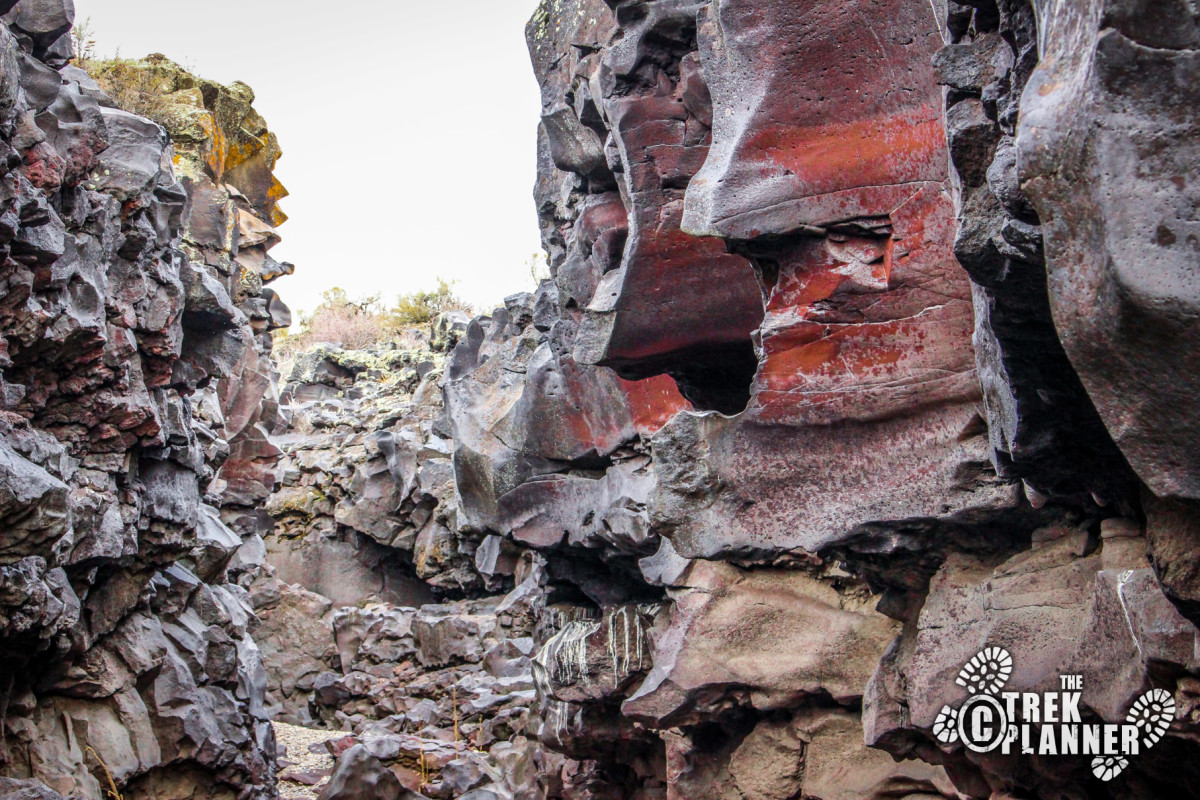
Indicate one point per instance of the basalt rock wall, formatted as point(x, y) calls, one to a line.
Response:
point(136, 391)
point(864, 323)
point(895, 295)
point(867, 349)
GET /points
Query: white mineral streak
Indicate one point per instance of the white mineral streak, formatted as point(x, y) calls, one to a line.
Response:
point(558, 715)
point(1122, 582)
point(631, 636)
point(565, 655)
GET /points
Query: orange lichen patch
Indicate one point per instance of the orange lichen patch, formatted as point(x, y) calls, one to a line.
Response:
point(875, 151)
point(653, 402)
point(245, 148)
point(216, 153)
point(274, 194)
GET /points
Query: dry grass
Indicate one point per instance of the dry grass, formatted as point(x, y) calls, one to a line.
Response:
point(139, 86)
point(135, 86)
point(111, 793)
point(360, 323)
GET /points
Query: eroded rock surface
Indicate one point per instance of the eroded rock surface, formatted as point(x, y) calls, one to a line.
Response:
point(904, 434)
point(136, 380)
point(791, 434)
point(1117, 218)
point(865, 349)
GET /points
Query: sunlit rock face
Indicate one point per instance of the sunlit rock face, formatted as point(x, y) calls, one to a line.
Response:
point(135, 379)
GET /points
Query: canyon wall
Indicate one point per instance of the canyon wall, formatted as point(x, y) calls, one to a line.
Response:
point(855, 363)
point(862, 386)
point(921, 275)
point(137, 393)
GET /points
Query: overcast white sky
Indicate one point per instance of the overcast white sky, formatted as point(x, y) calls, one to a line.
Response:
point(408, 129)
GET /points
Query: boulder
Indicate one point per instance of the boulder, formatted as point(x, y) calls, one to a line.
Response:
point(361, 776)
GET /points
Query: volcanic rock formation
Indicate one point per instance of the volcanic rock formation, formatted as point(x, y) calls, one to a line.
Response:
point(906, 445)
point(137, 394)
point(866, 349)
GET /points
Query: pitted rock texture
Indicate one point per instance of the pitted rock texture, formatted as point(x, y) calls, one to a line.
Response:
point(865, 348)
point(135, 378)
point(919, 450)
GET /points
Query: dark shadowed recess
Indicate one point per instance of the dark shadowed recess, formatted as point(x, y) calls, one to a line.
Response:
point(715, 377)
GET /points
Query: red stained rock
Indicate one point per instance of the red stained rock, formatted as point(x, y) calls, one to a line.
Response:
point(526, 407)
point(340, 745)
point(44, 167)
point(817, 104)
point(652, 402)
point(674, 294)
point(867, 327)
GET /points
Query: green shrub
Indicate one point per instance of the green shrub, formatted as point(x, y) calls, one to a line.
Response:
point(359, 323)
point(417, 308)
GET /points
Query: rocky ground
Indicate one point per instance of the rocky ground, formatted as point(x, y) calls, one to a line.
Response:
point(861, 372)
point(439, 694)
point(305, 761)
